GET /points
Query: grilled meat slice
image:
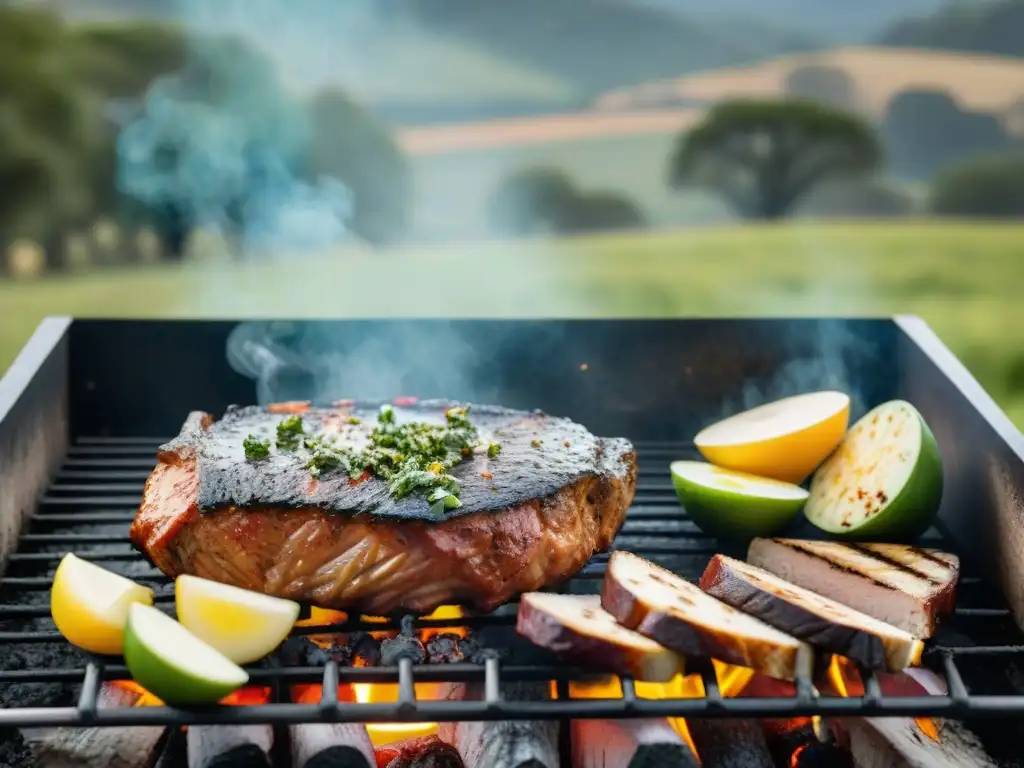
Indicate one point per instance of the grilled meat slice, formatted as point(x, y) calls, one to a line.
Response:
point(579, 629)
point(814, 619)
point(677, 614)
point(908, 587)
point(530, 516)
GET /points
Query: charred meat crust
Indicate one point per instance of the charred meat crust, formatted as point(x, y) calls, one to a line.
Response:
point(721, 580)
point(383, 563)
point(540, 454)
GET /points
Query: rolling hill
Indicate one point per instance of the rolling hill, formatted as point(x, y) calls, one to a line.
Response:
point(978, 82)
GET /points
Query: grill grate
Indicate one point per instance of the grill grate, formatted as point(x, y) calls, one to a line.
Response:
point(89, 506)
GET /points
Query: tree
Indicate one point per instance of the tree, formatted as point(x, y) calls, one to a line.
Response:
point(601, 212)
point(927, 130)
point(350, 145)
point(823, 84)
point(990, 186)
point(763, 156)
point(983, 27)
point(531, 201)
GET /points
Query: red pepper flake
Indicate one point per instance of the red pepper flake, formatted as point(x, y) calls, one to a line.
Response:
point(861, 493)
point(566, 443)
point(404, 401)
point(292, 406)
point(882, 497)
point(353, 481)
point(486, 475)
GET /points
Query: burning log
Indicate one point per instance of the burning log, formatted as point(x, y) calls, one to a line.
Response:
point(503, 744)
point(629, 744)
point(135, 747)
point(333, 745)
point(230, 746)
point(878, 742)
point(425, 752)
point(730, 743)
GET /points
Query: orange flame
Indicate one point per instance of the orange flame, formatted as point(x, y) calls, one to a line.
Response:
point(731, 681)
point(381, 734)
point(846, 681)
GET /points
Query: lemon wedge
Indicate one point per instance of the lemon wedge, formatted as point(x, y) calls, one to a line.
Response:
point(90, 604)
point(242, 625)
point(783, 440)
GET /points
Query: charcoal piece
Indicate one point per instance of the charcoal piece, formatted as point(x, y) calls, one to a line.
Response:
point(730, 742)
point(331, 745)
point(14, 752)
point(503, 743)
point(629, 743)
point(401, 647)
point(816, 754)
point(425, 752)
point(300, 651)
point(230, 746)
point(365, 647)
point(135, 747)
point(445, 648)
point(879, 742)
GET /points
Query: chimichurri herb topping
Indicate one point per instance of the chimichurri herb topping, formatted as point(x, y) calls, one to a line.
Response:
point(255, 449)
point(414, 457)
point(289, 433)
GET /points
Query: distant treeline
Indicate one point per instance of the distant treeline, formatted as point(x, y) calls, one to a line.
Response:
point(219, 106)
point(991, 26)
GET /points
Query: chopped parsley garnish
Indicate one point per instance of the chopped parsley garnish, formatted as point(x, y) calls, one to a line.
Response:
point(256, 450)
point(289, 433)
point(415, 457)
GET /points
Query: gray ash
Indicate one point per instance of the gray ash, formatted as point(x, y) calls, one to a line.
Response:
point(448, 648)
point(405, 645)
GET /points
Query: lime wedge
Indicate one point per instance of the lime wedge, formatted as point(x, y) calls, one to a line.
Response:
point(884, 481)
point(243, 625)
point(175, 665)
point(735, 505)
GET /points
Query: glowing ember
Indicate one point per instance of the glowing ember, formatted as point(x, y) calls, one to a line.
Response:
point(731, 681)
point(846, 682)
point(381, 734)
point(794, 759)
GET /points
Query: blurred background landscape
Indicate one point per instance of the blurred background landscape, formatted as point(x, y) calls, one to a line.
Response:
point(531, 158)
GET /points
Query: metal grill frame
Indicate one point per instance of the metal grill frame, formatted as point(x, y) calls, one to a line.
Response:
point(38, 384)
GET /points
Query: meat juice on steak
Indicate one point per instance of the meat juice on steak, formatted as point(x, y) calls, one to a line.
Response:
point(531, 515)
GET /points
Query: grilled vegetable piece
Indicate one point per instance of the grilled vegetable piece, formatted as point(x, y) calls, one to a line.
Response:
point(677, 614)
point(884, 481)
point(734, 505)
point(908, 587)
point(579, 629)
point(817, 620)
point(784, 440)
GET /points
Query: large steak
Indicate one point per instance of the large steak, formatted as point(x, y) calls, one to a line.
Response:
point(531, 515)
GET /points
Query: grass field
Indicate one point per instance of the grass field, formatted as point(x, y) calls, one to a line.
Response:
point(964, 279)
